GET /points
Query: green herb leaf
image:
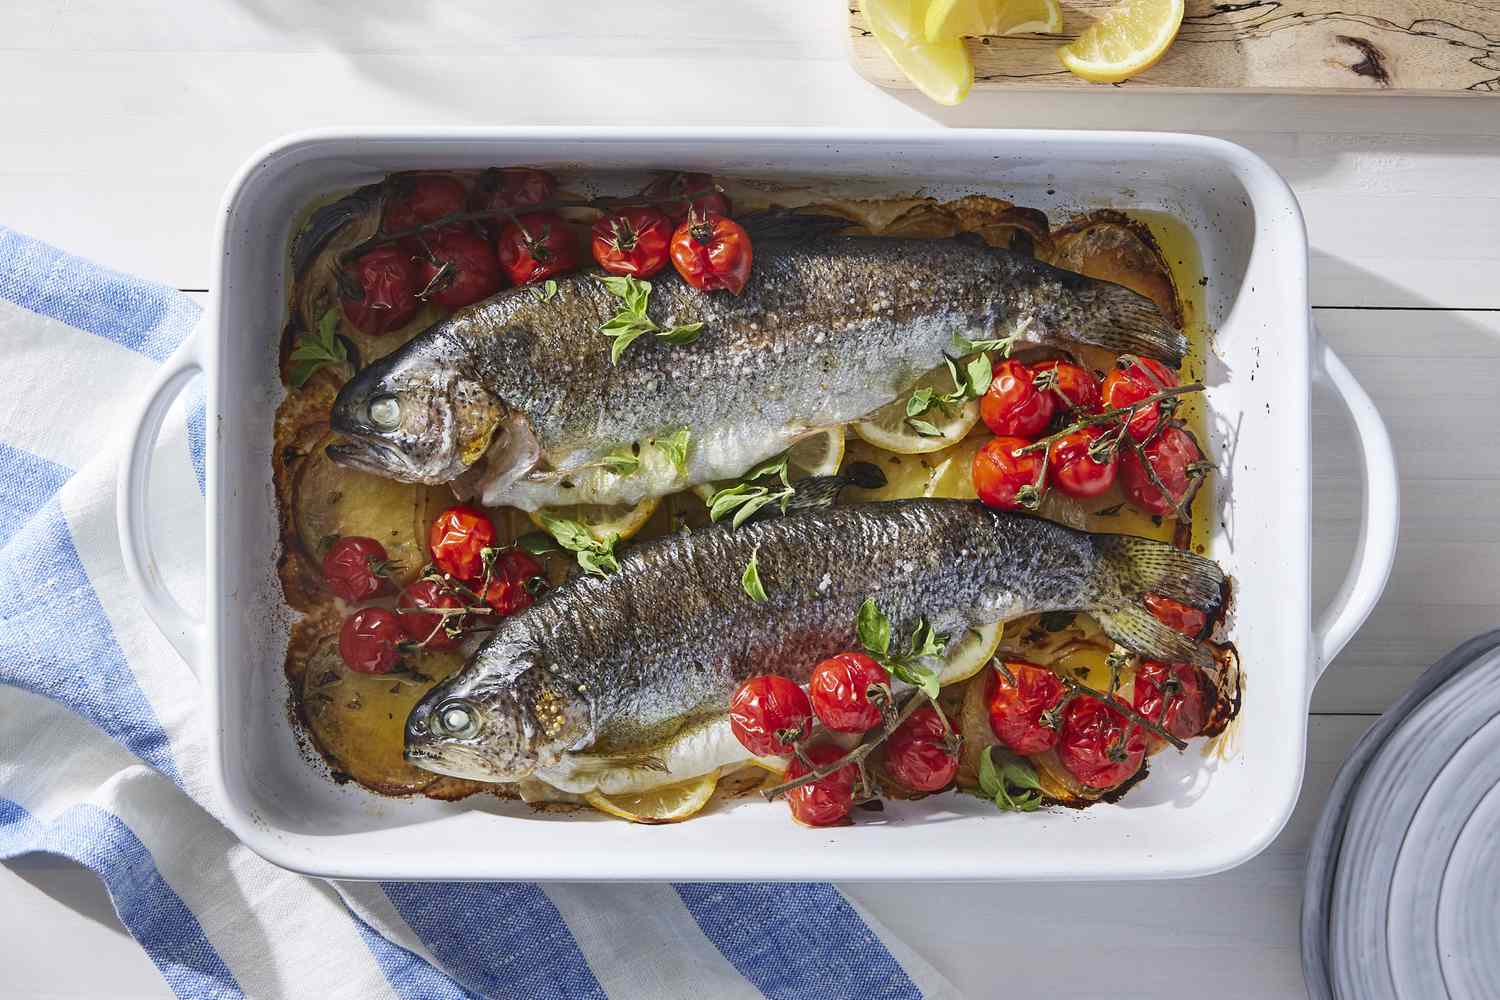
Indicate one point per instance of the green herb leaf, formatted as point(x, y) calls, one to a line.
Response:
point(751, 505)
point(730, 498)
point(962, 345)
point(920, 402)
point(776, 466)
point(1012, 786)
point(925, 642)
point(874, 628)
point(681, 335)
point(622, 462)
point(537, 543)
point(923, 427)
point(594, 556)
point(750, 579)
point(317, 349)
point(675, 446)
point(989, 775)
point(915, 674)
point(549, 290)
point(980, 373)
point(623, 340)
point(599, 563)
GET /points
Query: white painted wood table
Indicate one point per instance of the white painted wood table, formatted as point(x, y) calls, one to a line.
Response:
point(122, 122)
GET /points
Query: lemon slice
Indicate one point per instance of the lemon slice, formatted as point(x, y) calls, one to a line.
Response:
point(1127, 40)
point(906, 476)
point(950, 18)
point(954, 478)
point(819, 454)
point(889, 428)
point(666, 804)
point(603, 520)
point(942, 70)
point(970, 652)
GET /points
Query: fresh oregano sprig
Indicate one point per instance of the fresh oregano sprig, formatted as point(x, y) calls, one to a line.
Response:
point(874, 630)
point(631, 322)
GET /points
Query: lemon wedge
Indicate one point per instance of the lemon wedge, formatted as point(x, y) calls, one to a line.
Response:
point(970, 652)
point(942, 69)
point(664, 804)
point(603, 520)
point(889, 428)
point(817, 455)
point(951, 18)
point(1127, 40)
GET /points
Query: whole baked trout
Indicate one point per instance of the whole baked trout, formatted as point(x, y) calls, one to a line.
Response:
point(515, 401)
point(613, 667)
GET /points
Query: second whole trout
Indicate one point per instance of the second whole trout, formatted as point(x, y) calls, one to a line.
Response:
point(515, 401)
point(616, 666)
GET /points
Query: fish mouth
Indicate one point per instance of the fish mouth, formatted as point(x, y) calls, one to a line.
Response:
point(370, 456)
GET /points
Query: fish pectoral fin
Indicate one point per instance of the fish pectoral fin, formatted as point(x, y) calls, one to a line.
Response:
point(643, 762)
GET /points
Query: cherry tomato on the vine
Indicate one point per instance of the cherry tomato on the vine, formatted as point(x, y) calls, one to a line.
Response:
point(355, 568)
point(368, 641)
point(416, 199)
point(849, 692)
point(1019, 705)
point(387, 282)
point(827, 800)
point(500, 188)
point(1139, 378)
point(1098, 745)
point(1000, 474)
point(711, 252)
point(458, 538)
point(922, 753)
point(1174, 614)
point(535, 247)
point(1076, 385)
point(675, 185)
point(1013, 406)
point(515, 581)
point(456, 267)
point(1172, 696)
point(1073, 467)
point(769, 715)
point(1171, 455)
point(632, 241)
point(425, 627)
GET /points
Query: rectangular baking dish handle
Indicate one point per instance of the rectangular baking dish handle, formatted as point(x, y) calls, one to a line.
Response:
point(185, 633)
point(1380, 517)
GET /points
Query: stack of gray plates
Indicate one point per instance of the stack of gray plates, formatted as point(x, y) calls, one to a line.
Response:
point(1403, 878)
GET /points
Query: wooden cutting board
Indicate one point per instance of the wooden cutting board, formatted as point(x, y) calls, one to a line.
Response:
point(1302, 46)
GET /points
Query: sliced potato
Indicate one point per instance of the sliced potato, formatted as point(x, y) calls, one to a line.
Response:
point(359, 720)
point(906, 476)
point(331, 501)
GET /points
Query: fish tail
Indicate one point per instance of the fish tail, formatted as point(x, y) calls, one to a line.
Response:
point(1129, 323)
point(817, 492)
point(1134, 567)
point(865, 475)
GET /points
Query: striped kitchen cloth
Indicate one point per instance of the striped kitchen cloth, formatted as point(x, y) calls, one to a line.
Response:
point(102, 751)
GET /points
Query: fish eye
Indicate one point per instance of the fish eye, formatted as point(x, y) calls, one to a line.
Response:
point(456, 718)
point(385, 412)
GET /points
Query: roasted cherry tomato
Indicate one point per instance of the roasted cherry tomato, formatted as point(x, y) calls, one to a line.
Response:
point(678, 184)
point(368, 641)
point(1174, 614)
point(770, 715)
point(355, 568)
point(849, 692)
point(503, 188)
point(386, 279)
point(415, 199)
point(1013, 406)
point(827, 800)
point(1098, 745)
point(711, 252)
point(431, 630)
point(1074, 386)
point(535, 247)
point(1000, 474)
point(1073, 467)
point(515, 581)
point(632, 241)
point(456, 267)
point(1172, 696)
point(922, 754)
point(458, 538)
point(1020, 706)
point(1137, 379)
point(1171, 455)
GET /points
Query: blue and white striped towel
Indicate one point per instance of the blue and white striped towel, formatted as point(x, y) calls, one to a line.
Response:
point(102, 753)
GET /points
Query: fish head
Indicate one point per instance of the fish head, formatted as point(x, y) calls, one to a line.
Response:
point(416, 417)
point(496, 725)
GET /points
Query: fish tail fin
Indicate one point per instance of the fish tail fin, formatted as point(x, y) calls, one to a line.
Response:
point(865, 475)
point(1130, 323)
point(1135, 567)
point(817, 492)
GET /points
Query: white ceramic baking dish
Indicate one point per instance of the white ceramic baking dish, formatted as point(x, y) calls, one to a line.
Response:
point(1195, 815)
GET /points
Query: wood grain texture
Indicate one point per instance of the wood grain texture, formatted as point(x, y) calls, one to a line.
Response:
point(1353, 46)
